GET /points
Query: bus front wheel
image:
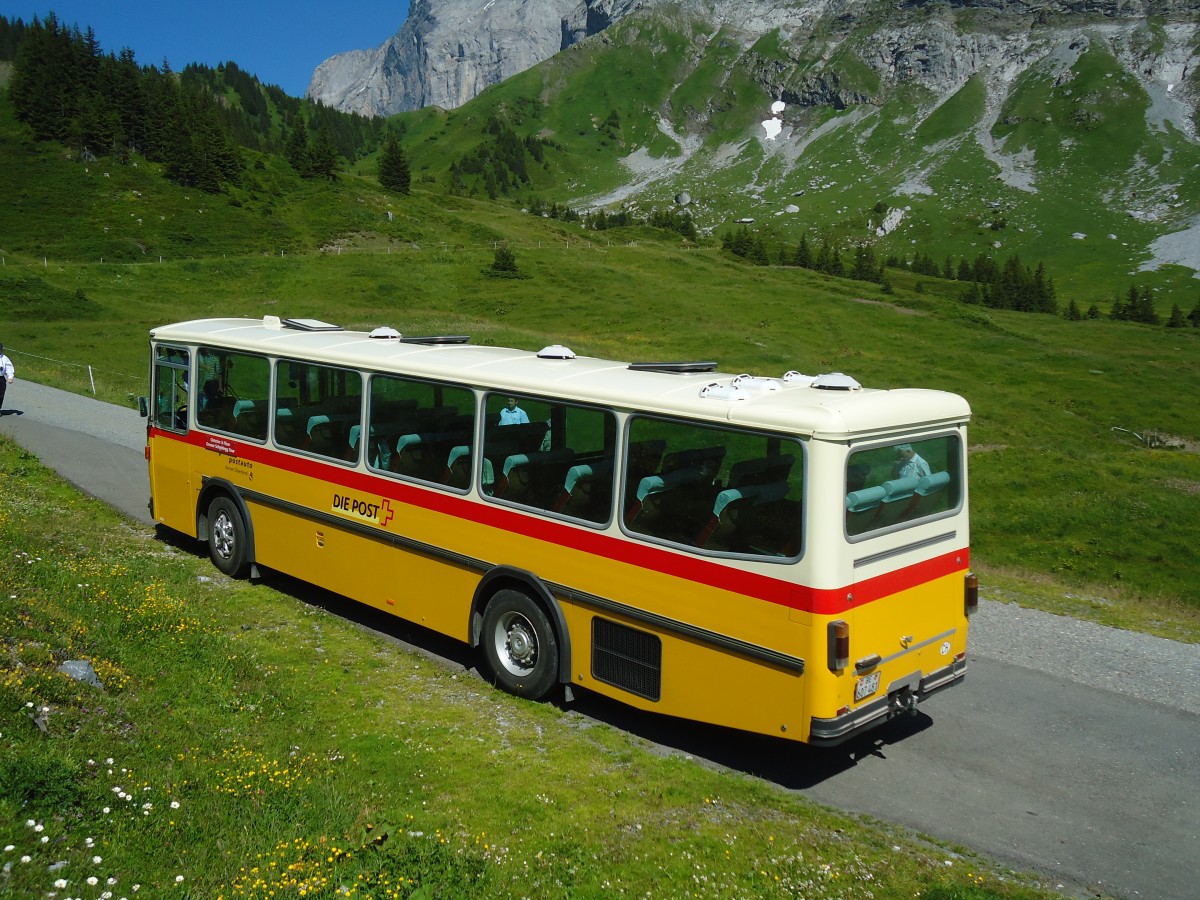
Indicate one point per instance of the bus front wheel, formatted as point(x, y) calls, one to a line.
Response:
point(227, 538)
point(519, 645)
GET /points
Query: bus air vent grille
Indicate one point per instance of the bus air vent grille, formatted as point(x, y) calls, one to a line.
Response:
point(310, 325)
point(627, 658)
point(434, 340)
point(674, 368)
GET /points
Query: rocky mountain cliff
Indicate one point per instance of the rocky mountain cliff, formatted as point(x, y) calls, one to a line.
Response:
point(1068, 129)
point(450, 50)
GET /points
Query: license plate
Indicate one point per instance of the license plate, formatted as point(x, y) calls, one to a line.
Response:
point(866, 686)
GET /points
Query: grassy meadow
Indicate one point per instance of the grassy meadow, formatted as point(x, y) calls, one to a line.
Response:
point(1062, 490)
point(251, 741)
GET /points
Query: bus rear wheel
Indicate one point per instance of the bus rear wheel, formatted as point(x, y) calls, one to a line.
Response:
point(519, 645)
point(227, 538)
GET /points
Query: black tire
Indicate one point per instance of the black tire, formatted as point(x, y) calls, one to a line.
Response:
point(227, 538)
point(519, 645)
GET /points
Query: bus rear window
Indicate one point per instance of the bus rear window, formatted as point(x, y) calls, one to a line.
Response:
point(903, 482)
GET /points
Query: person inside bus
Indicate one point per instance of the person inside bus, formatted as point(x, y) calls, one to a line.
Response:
point(210, 378)
point(908, 463)
point(513, 414)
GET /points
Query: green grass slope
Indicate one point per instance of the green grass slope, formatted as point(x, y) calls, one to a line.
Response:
point(253, 741)
point(1072, 163)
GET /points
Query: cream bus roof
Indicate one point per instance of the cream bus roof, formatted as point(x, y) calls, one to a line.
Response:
point(838, 412)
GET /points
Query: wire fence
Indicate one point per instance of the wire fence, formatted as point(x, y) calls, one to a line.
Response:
point(337, 248)
point(76, 377)
point(87, 378)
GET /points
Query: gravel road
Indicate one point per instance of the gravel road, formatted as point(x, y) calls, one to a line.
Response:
point(1136, 665)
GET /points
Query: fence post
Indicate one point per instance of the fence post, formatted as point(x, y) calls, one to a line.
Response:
point(92, 380)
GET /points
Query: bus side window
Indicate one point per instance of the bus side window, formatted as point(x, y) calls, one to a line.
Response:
point(315, 408)
point(585, 490)
point(550, 456)
point(235, 392)
point(714, 489)
point(420, 429)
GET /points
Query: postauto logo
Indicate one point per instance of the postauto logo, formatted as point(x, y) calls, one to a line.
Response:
point(363, 509)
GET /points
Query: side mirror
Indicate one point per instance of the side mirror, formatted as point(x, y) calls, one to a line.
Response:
point(143, 407)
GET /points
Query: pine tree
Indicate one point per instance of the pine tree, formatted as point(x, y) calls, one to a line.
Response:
point(865, 268)
point(1143, 308)
point(394, 174)
point(504, 265)
point(824, 258)
point(295, 147)
point(804, 257)
point(1044, 296)
point(1194, 316)
point(836, 266)
point(1072, 314)
point(758, 252)
point(1093, 312)
point(1123, 310)
point(44, 80)
point(322, 156)
point(1177, 320)
point(198, 151)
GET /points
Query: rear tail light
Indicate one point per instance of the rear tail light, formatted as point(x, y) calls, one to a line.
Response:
point(971, 593)
point(839, 645)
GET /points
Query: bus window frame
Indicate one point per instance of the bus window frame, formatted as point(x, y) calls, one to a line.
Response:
point(782, 438)
point(165, 362)
point(275, 379)
point(270, 398)
point(615, 419)
point(435, 383)
point(895, 441)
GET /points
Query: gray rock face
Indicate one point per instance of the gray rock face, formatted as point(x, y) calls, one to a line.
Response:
point(450, 50)
point(81, 670)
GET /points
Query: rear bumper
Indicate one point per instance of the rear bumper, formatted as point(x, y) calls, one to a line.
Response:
point(831, 732)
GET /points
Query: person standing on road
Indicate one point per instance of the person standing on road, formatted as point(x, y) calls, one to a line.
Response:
point(6, 374)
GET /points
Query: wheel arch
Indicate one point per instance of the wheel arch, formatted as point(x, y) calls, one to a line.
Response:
point(210, 490)
point(499, 578)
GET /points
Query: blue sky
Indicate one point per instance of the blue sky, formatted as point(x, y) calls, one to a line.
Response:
point(280, 42)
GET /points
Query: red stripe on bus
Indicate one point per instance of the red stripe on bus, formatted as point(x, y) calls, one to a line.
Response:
point(821, 601)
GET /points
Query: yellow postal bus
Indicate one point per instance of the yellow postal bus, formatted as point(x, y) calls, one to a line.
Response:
point(784, 555)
